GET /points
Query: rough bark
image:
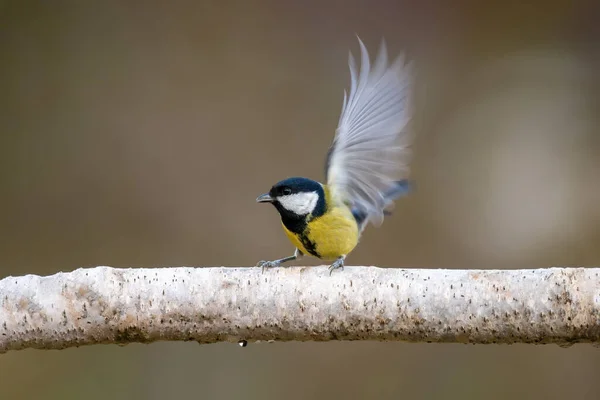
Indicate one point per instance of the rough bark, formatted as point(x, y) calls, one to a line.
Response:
point(108, 305)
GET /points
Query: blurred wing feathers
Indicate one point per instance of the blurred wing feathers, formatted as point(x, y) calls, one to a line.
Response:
point(370, 150)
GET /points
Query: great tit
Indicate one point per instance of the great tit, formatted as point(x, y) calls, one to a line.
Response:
point(369, 152)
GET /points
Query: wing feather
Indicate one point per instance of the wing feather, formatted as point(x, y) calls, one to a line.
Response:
point(371, 148)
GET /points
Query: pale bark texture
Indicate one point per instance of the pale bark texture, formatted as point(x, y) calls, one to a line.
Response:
point(207, 305)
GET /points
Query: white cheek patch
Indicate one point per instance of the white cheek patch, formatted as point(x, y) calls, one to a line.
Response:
point(299, 203)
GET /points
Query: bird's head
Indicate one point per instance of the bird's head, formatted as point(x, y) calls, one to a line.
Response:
point(296, 197)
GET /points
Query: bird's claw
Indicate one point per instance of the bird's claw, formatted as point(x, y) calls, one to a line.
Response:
point(337, 264)
point(267, 264)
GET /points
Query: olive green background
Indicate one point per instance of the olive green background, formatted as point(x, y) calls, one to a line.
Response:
point(139, 134)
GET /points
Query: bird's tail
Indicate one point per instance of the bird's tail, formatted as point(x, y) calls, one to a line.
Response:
point(401, 188)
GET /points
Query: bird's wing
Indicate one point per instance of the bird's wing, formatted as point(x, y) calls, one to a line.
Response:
point(370, 150)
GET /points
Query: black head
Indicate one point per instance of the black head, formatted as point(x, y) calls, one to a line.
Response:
point(296, 197)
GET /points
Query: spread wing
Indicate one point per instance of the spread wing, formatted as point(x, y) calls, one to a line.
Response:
point(370, 150)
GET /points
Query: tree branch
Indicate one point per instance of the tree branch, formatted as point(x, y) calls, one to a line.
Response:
point(107, 305)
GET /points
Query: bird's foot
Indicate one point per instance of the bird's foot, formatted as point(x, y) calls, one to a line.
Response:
point(268, 264)
point(277, 263)
point(337, 264)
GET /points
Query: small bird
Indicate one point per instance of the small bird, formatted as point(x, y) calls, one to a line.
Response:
point(369, 153)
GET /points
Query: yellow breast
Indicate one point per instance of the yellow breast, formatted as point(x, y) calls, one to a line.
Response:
point(329, 236)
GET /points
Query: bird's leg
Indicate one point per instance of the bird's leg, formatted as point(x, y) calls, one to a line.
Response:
point(339, 263)
point(277, 263)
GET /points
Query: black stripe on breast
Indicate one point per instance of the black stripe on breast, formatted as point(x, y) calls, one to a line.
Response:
point(308, 244)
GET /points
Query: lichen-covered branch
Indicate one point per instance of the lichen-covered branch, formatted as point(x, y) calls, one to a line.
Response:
point(108, 305)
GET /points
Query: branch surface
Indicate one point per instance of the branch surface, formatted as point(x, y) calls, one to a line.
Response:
point(207, 305)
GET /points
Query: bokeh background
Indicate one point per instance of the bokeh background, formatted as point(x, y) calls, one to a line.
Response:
point(139, 134)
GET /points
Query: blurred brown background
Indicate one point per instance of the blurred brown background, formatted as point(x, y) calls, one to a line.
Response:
point(139, 134)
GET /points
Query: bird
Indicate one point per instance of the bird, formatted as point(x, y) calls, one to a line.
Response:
point(369, 153)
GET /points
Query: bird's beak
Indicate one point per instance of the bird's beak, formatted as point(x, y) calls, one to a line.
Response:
point(264, 198)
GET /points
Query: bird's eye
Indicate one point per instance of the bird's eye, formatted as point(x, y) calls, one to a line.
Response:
point(286, 191)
